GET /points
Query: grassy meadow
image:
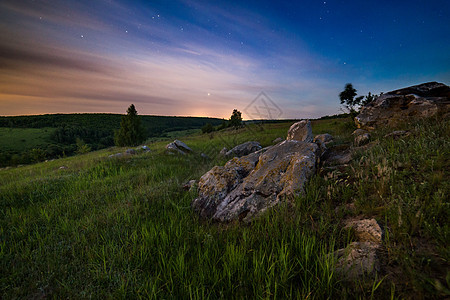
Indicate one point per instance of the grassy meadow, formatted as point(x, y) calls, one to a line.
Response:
point(22, 139)
point(89, 226)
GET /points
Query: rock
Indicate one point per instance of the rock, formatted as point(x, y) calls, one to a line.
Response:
point(117, 155)
point(130, 152)
point(338, 155)
point(424, 100)
point(366, 230)
point(189, 185)
point(322, 140)
point(182, 146)
point(277, 140)
point(205, 156)
point(397, 134)
point(301, 131)
point(360, 258)
point(63, 167)
point(359, 131)
point(224, 151)
point(244, 149)
point(246, 187)
point(145, 148)
point(362, 139)
point(178, 147)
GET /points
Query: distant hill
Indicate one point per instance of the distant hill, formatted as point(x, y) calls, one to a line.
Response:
point(156, 125)
point(56, 135)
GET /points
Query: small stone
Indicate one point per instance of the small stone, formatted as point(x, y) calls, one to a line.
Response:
point(362, 139)
point(356, 260)
point(224, 151)
point(366, 230)
point(189, 185)
point(178, 147)
point(130, 152)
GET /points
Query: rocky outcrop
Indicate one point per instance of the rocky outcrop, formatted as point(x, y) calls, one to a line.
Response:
point(178, 147)
point(424, 100)
point(360, 257)
point(244, 149)
point(246, 187)
point(301, 131)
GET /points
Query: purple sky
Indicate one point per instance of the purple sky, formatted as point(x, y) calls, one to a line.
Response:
point(205, 58)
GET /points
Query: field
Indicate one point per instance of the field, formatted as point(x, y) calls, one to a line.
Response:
point(22, 139)
point(93, 227)
point(27, 139)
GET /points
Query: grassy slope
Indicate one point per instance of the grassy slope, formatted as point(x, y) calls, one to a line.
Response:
point(124, 228)
point(22, 139)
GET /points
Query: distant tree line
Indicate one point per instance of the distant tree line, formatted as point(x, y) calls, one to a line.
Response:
point(77, 133)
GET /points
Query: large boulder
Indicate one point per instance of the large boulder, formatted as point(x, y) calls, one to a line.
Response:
point(244, 149)
point(179, 147)
point(301, 131)
point(424, 100)
point(246, 187)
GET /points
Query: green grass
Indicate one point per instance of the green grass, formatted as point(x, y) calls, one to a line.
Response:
point(123, 228)
point(23, 139)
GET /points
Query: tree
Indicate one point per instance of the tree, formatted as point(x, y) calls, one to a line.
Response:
point(348, 99)
point(235, 119)
point(207, 128)
point(131, 132)
point(369, 98)
point(82, 147)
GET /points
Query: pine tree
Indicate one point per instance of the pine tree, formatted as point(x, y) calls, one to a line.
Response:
point(235, 119)
point(131, 132)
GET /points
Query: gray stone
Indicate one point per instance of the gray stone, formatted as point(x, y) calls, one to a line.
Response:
point(323, 140)
point(359, 131)
point(130, 152)
point(419, 101)
point(117, 155)
point(360, 257)
point(356, 260)
point(278, 140)
point(188, 186)
point(224, 151)
point(205, 156)
point(246, 187)
point(179, 147)
point(301, 131)
point(244, 149)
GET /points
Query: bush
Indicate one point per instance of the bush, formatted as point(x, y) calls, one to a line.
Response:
point(207, 128)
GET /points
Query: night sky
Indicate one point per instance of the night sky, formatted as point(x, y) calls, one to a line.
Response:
point(205, 58)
